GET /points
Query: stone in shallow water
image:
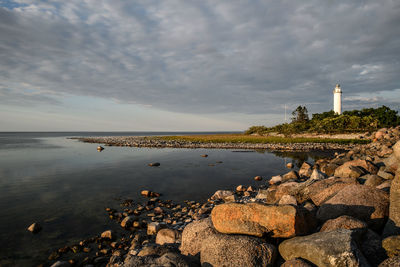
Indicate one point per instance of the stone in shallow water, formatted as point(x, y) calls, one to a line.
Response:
point(34, 228)
point(107, 234)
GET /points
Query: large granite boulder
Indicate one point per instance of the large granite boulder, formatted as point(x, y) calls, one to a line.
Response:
point(362, 202)
point(217, 249)
point(391, 262)
point(392, 163)
point(393, 225)
point(258, 219)
point(392, 245)
point(343, 222)
point(167, 259)
point(356, 168)
point(322, 190)
point(333, 248)
point(396, 150)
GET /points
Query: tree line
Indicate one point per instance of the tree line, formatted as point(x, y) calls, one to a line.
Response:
point(368, 119)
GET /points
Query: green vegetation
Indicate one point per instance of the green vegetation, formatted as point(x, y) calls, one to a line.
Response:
point(369, 119)
point(253, 139)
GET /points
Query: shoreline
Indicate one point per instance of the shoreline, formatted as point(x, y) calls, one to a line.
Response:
point(333, 211)
point(158, 142)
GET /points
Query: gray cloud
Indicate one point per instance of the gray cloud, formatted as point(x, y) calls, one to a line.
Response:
point(202, 56)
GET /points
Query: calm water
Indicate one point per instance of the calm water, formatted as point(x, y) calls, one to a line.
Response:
point(65, 185)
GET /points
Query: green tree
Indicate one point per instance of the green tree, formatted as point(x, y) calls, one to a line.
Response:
point(300, 114)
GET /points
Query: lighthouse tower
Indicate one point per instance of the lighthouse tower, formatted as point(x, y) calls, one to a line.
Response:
point(337, 100)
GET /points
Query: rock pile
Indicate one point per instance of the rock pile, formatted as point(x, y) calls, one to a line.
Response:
point(343, 211)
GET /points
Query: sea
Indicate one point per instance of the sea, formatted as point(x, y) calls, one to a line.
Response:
point(65, 185)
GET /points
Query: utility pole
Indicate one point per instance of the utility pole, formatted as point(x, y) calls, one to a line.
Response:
point(285, 114)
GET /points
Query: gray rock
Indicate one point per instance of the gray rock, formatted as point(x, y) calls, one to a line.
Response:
point(343, 222)
point(296, 263)
point(317, 175)
point(167, 259)
point(217, 249)
point(167, 236)
point(392, 245)
point(334, 248)
point(362, 202)
point(392, 227)
point(391, 262)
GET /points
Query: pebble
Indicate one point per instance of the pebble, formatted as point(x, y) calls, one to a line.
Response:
point(35, 228)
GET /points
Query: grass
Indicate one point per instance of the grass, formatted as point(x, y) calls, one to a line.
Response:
point(251, 139)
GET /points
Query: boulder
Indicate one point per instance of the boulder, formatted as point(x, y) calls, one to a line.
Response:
point(275, 179)
point(322, 190)
point(391, 245)
point(292, 175)
point(385, 175)
point(167, 259)
point(194, 234)
point(371, 246)
point(215, 249)
point(288, 200)
point(391, 163)
point(385, 186)
point(396, 150)
point(329, 169)
point(333, 248)
point(393, 225)
point(288, 188)
point(391, 262)
point(343, 222)
point(267, 195)
point(317, 175)
point(349, 171)
point(289, 165)
point(296, 263)
point(167, 236)
point(352, 168)
point(362, 202)
point(305, 170)
point(152, 228)
point(373, 180)
point(280, 221)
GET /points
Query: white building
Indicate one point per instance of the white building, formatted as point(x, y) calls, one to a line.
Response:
point(337, 100)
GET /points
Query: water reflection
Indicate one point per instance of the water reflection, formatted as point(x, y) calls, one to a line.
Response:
point(65, 185)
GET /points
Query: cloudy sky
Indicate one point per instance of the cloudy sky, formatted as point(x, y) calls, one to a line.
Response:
point(191, 65)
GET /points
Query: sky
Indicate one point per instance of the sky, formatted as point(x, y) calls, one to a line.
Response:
point(189, 65)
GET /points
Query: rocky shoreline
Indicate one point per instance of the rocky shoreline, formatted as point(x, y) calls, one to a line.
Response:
point(341, 211)
point(143, 141)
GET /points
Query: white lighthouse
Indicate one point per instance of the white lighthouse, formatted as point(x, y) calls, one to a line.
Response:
point(337, 100)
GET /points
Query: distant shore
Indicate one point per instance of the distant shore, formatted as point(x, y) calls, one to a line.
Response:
point(229, 142)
